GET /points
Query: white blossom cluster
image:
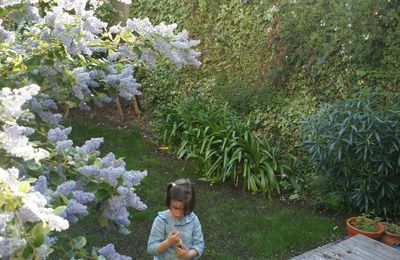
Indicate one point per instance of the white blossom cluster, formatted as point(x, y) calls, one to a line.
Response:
point(13, 137)
point(25, 205)
point(6, 36)
point(176, 47)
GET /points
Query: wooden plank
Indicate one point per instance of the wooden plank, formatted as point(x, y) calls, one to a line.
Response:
point(358, 247)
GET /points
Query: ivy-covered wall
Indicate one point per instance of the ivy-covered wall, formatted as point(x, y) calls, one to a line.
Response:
point(232, 33)
point(275, 61)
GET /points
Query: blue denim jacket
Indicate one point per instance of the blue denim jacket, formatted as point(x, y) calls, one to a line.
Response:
point(189, 228)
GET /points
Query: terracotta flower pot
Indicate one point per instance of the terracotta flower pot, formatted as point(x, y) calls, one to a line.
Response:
point(352, 231)
point(389, 238)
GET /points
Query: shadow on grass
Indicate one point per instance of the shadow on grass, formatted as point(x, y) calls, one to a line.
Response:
point(236, 224)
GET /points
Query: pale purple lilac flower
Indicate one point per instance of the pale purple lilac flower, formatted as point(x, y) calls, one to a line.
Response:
point(109, 253)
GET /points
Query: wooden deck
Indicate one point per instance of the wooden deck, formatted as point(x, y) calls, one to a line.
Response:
point(358, 247)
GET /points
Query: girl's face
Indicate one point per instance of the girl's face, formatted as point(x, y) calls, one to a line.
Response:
point(177, 209)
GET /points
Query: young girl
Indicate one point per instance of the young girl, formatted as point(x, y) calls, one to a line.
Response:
point(176, 232)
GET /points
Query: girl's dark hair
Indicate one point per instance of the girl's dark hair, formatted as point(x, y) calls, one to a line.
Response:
point(181, 190)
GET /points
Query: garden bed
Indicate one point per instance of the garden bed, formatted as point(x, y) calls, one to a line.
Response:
point(236, 224)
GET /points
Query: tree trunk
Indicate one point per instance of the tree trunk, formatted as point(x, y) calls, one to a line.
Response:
point(122, 12)
point(65, 108)
point(119, 109)
point(122, 15)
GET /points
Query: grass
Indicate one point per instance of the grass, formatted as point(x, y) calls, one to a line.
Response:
point(236, 224)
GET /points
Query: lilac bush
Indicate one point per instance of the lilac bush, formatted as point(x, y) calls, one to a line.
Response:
point(64, 54)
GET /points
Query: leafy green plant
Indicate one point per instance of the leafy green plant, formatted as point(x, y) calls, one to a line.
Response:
point(223, 147)
point(363, 223)
point(356, 143)
point(392, 228)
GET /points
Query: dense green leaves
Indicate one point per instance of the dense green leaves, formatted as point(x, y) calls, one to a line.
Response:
point(356, 144)
point(224, 147)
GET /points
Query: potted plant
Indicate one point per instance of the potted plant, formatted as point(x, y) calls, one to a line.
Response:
point(391, 234)
point(365, 226)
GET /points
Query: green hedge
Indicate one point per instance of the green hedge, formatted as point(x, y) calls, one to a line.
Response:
point(277, 60)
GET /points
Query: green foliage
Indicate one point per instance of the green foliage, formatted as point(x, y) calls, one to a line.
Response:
point(356, 143)
point(264, 232)
point(392, 228)
point(275, 61)
point(224, 147)
point(161, 85)
point(365, 224)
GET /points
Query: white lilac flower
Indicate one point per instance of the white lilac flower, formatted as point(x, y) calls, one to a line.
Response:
point(115, 29)
point(34, 210)
point(56, 223)
point(13, 139)
point(5, 217)
point(10, 178)
point(94, 25)
point(5, 3)
point(142, 26)
point(6, 36)
point(13, 100)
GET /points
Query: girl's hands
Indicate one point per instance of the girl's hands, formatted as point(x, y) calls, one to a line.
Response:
point(182, 252)
point(174, 237)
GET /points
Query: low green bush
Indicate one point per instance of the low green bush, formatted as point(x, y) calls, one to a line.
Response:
point(223, 147)
point(356, 143)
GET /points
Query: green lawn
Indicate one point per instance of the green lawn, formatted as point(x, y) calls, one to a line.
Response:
point(236, 224)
